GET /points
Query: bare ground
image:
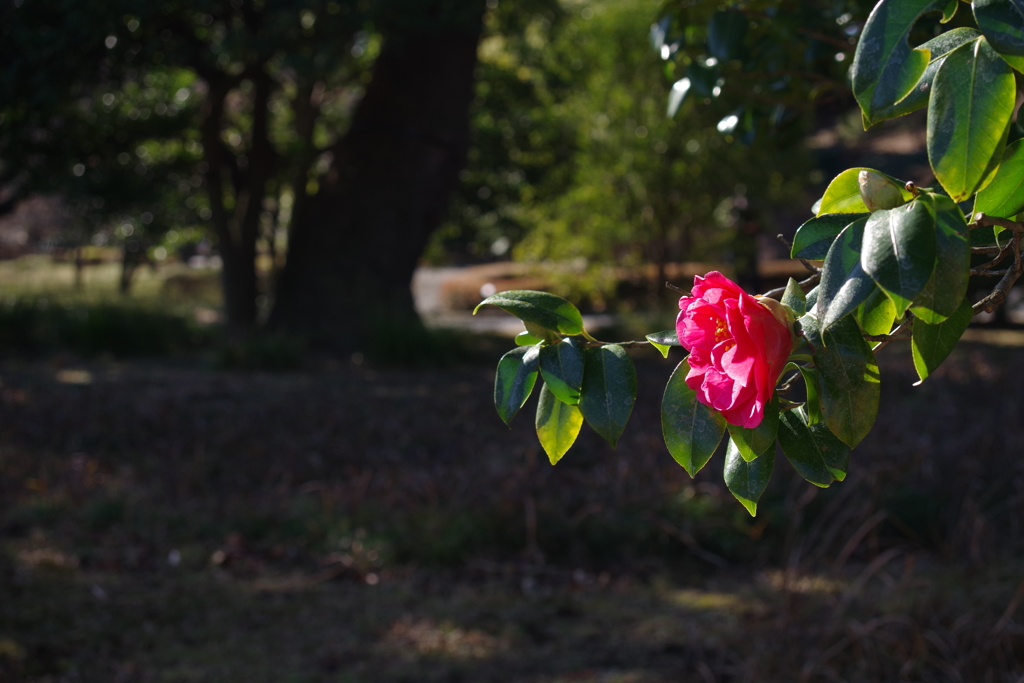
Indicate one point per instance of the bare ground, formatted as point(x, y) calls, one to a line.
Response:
point(164, 522)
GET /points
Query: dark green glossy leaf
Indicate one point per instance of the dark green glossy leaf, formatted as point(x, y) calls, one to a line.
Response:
point(726, 32)
point(877, 314)
point(812, 298)
point(812, 380)
point(843, 194)
point(972, 101)
point(885, 68)
point(539, 308)
point(514, 380)
point(949, 11)
point(939, 46)
point(1003, 26)
point(813, 239)
point(849, 386)
point(753, 442)
point(795, 298)
point(930, 344)
point(561, 365)
point(1004, 196)
point(802, 450)
point(702, 79)
point(663, 341)
point(898, 251)
point(609, 390)
point(558, 424)
point(948, 284)
point(748, 479)
point(692, 430)
point(844, 284)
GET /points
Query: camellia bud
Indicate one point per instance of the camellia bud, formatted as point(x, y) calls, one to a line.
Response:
point(878, 192)
point(783, 313)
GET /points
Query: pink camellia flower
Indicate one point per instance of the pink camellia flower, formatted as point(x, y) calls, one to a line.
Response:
point(738, 347)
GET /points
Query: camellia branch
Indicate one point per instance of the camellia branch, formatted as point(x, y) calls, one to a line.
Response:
point(1010, 275)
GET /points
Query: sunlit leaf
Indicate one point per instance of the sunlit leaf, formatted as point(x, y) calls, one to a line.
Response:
point(527, 339)
point(843, 194)
point(795, 298)
point(692, 430)
point(558, 424)
point(1003, 25)
point(939, 46)
point(813, 239)
point(514, 380)
point(972, 101)
point(844, 284)
point(899, 249)
point(540, 308)
point(930, 344)
point(609, 390)
point(677, 95)
point(1004, 196)
point(561, 365)
point(748, 479)
point(948, 284)
point(885, 68)
point(877, 314)
point(663, 341)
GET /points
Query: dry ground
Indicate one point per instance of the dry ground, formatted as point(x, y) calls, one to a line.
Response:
point(165, 522)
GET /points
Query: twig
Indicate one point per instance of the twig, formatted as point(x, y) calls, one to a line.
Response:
point(807, 264)
point(805, 285)
point(901, 333)
point(674, 288)
point(999, 292)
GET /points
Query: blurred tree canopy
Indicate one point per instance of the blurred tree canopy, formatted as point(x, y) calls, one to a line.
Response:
point(344, 121)
point(342, 128)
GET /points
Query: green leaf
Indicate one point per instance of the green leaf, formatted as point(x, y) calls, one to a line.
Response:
point(692, 430)
point(702, 79)
point(843, 194)
point(844, 284)
point(877, 313)
point(1003, 26)
point(753, 442)
point(1004, 196)
point(540, 308)
point(812, 379)
point(948, 284)
point(813, 239)
point(972, 102)
point(514, 380)
point(885, 68)
point(558, 424)
point(609, 390)
point(848, 385)
point(795, 298)
point(930, 344)
point(726, 32)
point(527, 339)
point(939, 46)
point(748, 479)
point(801, 449)
point(949, 11)
point(834, 452)
point(663, 341)
point(898, 251)
point(561, 365)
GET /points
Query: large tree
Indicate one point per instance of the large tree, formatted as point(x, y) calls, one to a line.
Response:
point(350, 116)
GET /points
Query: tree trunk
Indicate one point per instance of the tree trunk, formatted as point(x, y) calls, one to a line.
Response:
point(354, 247)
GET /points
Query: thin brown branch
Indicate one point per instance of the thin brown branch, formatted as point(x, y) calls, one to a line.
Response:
point(999, 292)
point(805, 285)
point(901, 333)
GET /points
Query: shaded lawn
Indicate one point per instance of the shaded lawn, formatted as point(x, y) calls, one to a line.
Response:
point(163, 522)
